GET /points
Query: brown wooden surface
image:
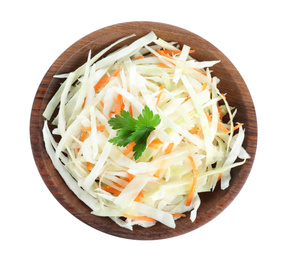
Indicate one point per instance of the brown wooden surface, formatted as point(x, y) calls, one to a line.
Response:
point(231, 83)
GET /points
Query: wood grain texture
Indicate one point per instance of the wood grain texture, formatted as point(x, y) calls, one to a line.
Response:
point(232, 83)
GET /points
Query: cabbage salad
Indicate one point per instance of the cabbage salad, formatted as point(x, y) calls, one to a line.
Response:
point(143, 132)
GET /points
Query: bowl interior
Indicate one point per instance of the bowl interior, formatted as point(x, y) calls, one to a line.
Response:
point(231, 83)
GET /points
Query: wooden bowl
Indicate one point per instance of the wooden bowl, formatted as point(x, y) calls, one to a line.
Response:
point(238, 95)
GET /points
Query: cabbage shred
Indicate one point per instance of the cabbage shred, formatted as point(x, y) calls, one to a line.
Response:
point(171, 83)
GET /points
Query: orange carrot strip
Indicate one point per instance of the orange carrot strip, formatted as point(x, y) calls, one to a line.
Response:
point(156, 141)
point(159, 94)
point(169, 148)
point(131, 176)
point(141, 218)
point(237, 126)
point(111, 190)
point(204, 86)
point(139, 57)
point(83, 105)
point(110, 114)
point(129, 148)
point(154, 144)
point(86, 128)
point(89, 166)
point(187, 98)
point(220, 112)
point(102, 103)
point(222, 128)
point(101, 82)
point(194, 181)
point(161, 52)
point(208, 117)
point(200, 72)
point(101, 127)
point(178, 215)
point(193, 131)
point(157, 173)
point(115, 74)
point(173, 52)
point(106, 79)
point(162, 65)
point(131, 110)
point(119, 104)
point(82, 136)
point(220, 176)
point(200, 131)
point(139, 197)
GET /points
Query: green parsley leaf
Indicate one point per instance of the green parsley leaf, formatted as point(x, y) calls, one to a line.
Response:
point(134, 130)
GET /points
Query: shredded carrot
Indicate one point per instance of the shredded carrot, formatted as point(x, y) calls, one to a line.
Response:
point(162, 65)
point(101, 127)
point(111, 190)
point(141, 218)
point(110, 114)
point(154, 144)
point(237, 126)
point(131, 176)
point(200, 72)
point(106, 79)
point(222, 128)
point(178, 215)
point(119, 104)
point(139, 57)
point(88, 128)
point(220, 176)
point(186, 99)
point(157, 173)
point(208, 117)
point(200, 131)
point(101, 82)
point(131, 110)
point(125, 179)
point(171, 52)
point(169, 148)
point(89, 166)
point(204, 86)
point(159, 94)
point(139, 197)
point(193, 131)
point(220, 112)
point(82, 136)
point(115, 74)
point(83, 105)
point(129, 148)
point(161, 52)
point(102, 103)
point(194, 181)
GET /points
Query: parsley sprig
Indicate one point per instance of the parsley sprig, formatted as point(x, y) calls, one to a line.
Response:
point(134, 130)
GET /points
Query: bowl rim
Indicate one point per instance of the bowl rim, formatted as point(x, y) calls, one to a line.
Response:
point(47, 172)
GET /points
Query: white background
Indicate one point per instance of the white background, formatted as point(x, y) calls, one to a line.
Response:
point(34, 33)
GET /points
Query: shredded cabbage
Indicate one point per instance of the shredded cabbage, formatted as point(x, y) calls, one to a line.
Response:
point(156, 187)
